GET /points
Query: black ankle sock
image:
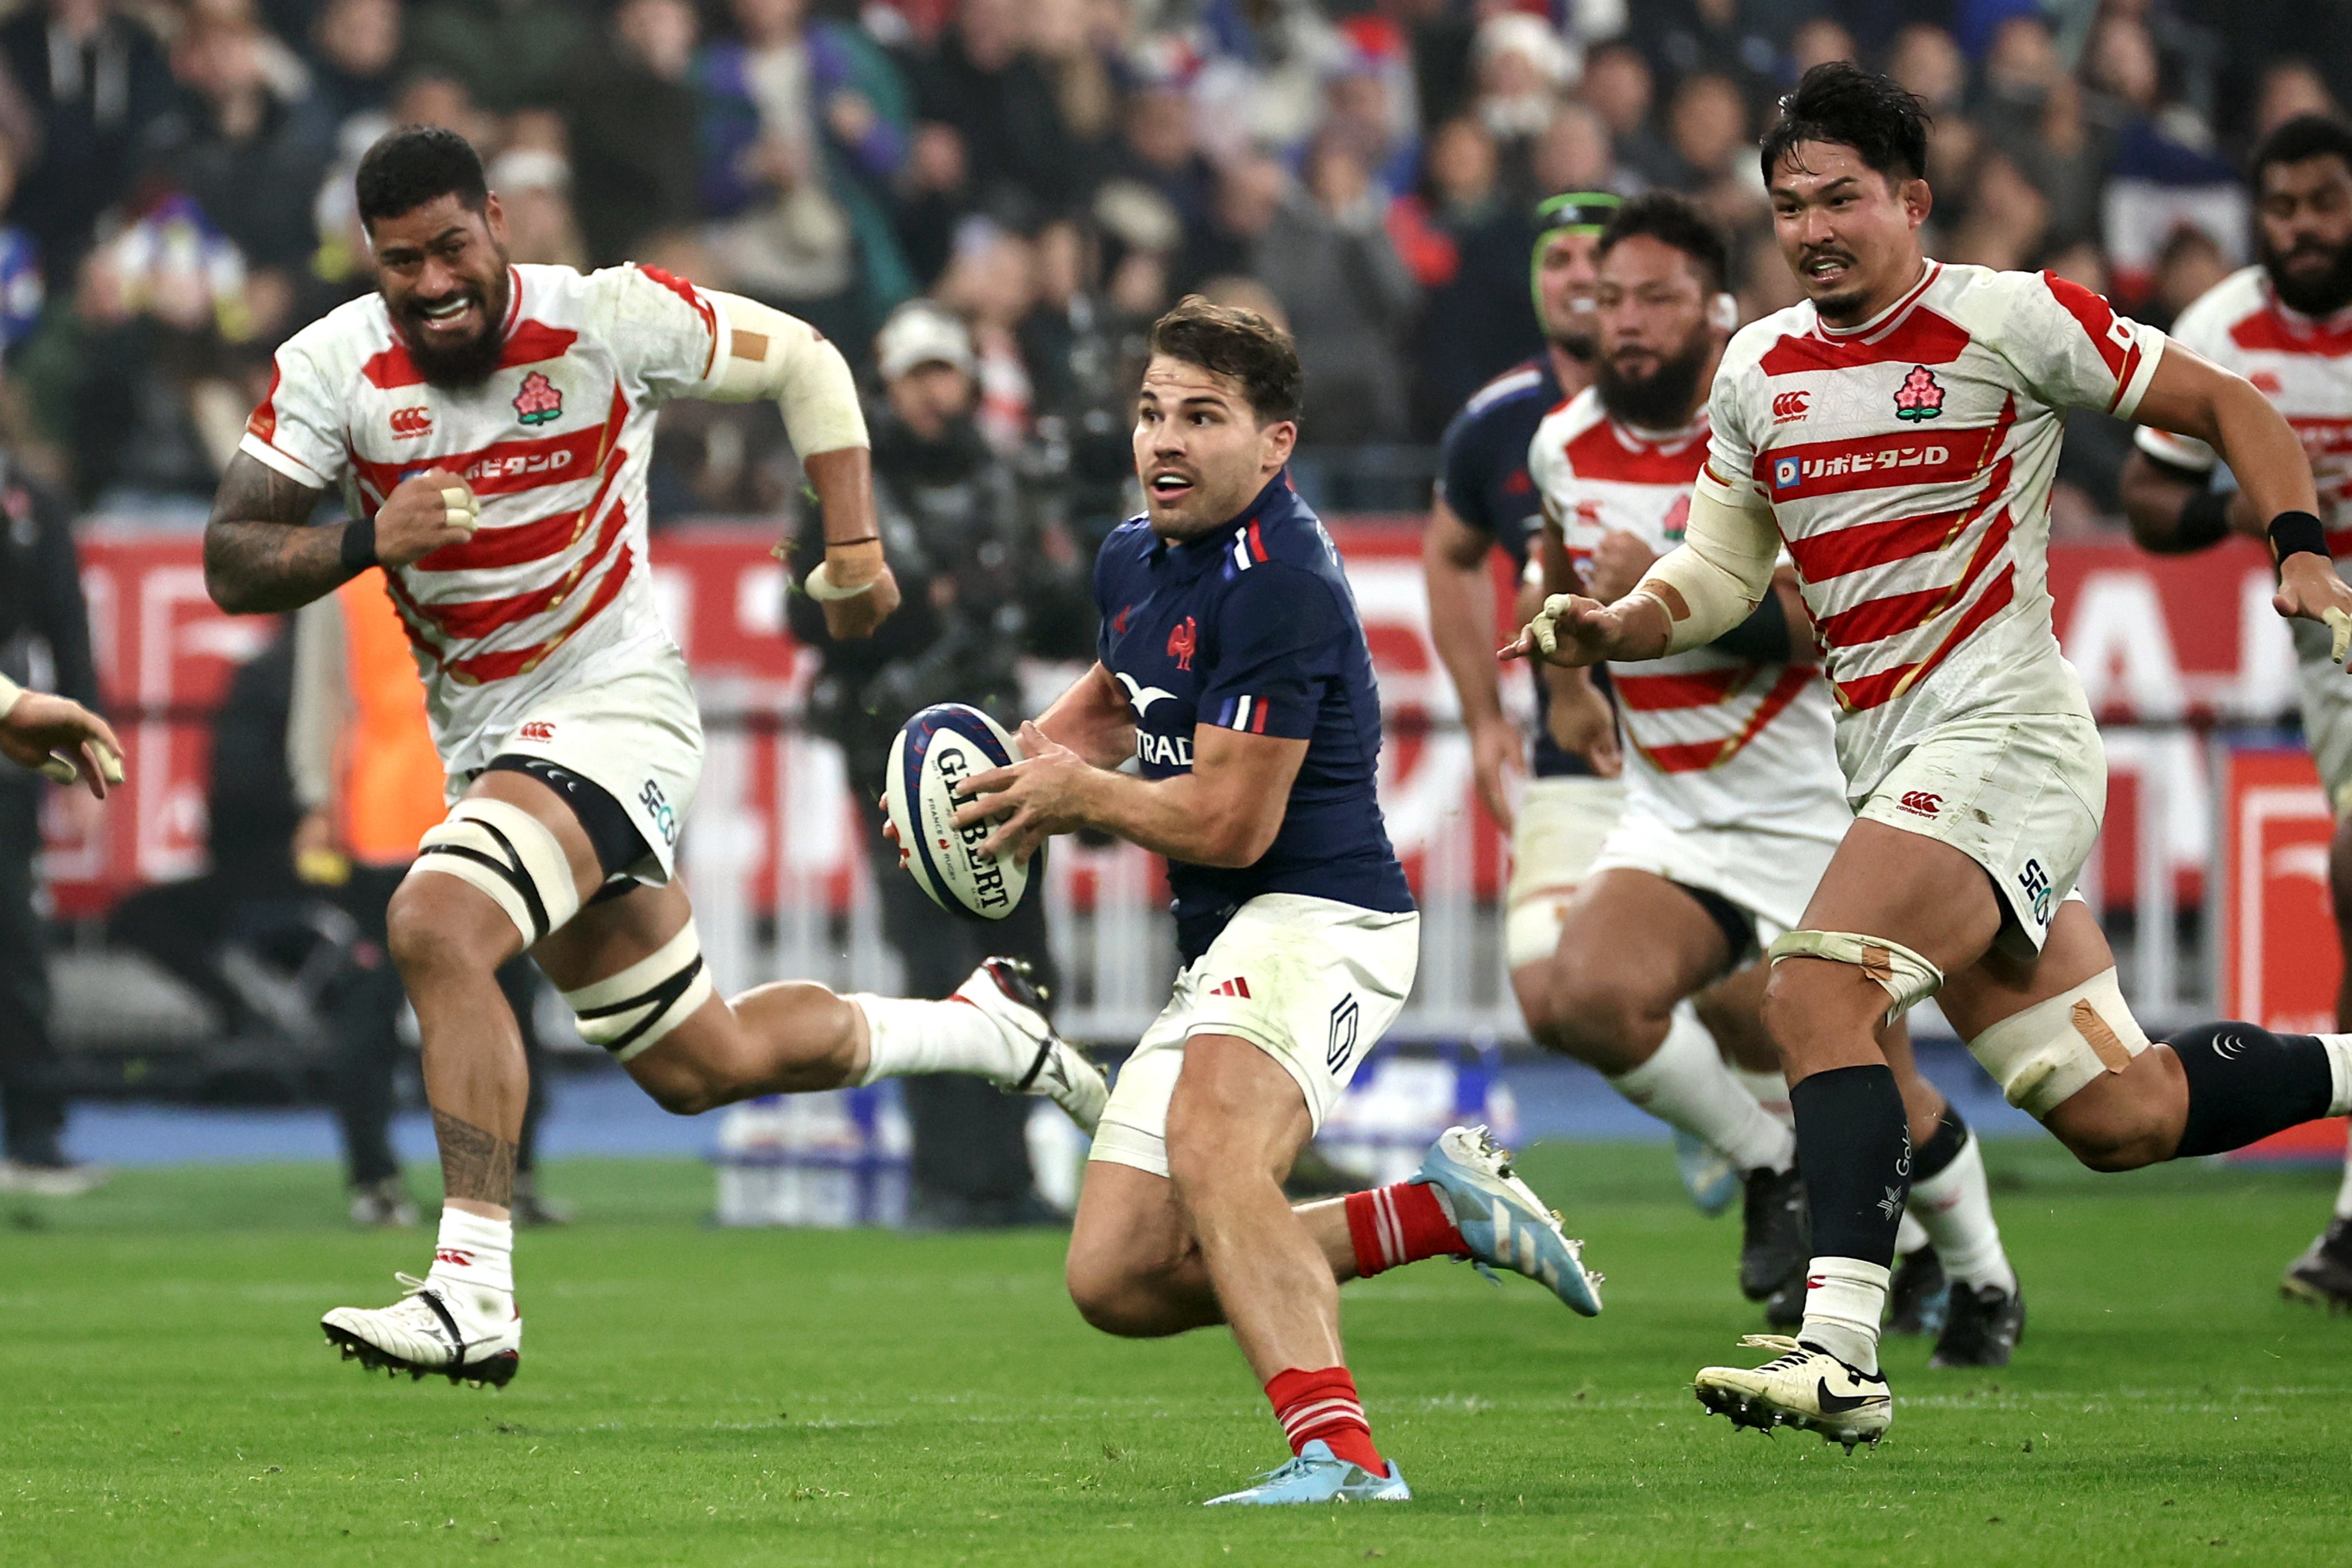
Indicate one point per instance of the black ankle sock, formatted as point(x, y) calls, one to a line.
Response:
point(2246, 1083)
point(1942, 1147)
point(1853, 1148)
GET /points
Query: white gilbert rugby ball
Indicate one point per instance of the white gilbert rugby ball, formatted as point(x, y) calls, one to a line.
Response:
point(936, 749)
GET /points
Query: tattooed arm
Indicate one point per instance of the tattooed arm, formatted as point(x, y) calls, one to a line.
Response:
point(261, 551)
point(262, 555)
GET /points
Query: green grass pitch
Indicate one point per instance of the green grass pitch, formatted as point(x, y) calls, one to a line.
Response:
point(691, 1395)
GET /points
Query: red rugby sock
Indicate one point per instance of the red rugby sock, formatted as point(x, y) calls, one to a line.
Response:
point(1312, 1405)
point(1400, 1223)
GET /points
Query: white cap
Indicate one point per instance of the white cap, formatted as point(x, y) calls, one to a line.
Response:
point(921, 334)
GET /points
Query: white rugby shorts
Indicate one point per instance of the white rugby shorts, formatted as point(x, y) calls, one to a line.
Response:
point(1770, 876)
point(2020, 793)
point(637, 736)
point(2326, 692)
point(1560, 827)
point(1312, 982)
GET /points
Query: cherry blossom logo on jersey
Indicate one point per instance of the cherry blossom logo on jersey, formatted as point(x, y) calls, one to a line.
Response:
point(407, 423)
point(1182, 641)
point(1919, 397)
point(538, 401)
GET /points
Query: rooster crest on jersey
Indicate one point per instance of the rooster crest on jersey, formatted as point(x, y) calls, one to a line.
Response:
point(538, 401)
point(1182, 641)
point(1919, 397)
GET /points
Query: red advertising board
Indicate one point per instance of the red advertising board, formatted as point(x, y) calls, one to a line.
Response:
point(2154, 639)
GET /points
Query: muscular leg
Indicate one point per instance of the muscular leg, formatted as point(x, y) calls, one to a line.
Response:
point(1610, 1002)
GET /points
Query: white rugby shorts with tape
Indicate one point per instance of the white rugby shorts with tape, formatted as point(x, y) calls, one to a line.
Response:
point(637, 736)
point(1311, 982)
point(2326, 692)
point(1560, 827)
point(1770, 876)
point(2020, 793)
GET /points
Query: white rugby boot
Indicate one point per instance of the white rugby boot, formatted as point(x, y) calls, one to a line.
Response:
point(1803, 1385)
point(457, 1333)
point(1042, 1063)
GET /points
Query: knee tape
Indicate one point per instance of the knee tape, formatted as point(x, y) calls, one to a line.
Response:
point(2042, 1056)
point(1902, 974)
point(508, 854)
point(628, 1013)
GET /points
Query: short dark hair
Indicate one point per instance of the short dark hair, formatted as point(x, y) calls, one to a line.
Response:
point(1839, 101)
point(2293, 141)
point(1673, 219)
point(1238, 342)
point(413, 164)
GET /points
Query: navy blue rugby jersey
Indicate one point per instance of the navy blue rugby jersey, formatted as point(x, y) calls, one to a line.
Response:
point(1482, 475)
point(1252, 627)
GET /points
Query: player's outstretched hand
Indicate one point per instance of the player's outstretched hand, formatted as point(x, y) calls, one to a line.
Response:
point(423, 513)
point(861, 615)
point(62, 741)
point(1570, 631)
point(1031, 801)
point(2309, 588)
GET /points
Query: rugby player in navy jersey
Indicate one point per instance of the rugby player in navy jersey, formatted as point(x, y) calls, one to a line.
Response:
point(1234, 672)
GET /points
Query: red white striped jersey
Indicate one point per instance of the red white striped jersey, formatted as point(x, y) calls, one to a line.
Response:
point(2303, 366)
point(553, 592)
point(1713, 740)
point(1908, 461)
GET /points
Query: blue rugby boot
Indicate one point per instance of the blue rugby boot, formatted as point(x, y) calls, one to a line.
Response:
point(1708, 1175)
point(1317, 1475)
point(1502, 1221)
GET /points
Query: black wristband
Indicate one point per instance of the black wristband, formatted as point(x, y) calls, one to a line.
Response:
point(2297, 533)
point(359, 545)
point(2204, 521)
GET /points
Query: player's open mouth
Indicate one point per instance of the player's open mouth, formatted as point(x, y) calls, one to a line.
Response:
point(1171, 486)
point(448, 315)
point(1828, 269)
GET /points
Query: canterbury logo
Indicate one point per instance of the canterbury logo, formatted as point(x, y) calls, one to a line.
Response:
point(1790, 405)
point(536, 729)
point(408, 422)
point(1141, 697)
point(452, 1255)
point(1919, 803)
point(1236, 986)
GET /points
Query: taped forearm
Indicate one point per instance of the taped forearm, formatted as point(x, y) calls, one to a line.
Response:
point(767, 353)
point(1714, 579)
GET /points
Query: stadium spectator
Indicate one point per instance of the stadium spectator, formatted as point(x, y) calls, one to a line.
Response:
point(2289, 88)
point(1349, 299)
point(1621, 87)
point(534, 187)
point(804, 124)
point(1523, 68)
point(1159, 151)
point(630, 113)
point(233, 144)
point(1574, 153)
point(509, 54)
point(980, 83)
point(1926, 61)
point(1086, 343)
point(982, 583)
point(1739, 39)
point(1707, 122)
point(21, 288)
point(95, 79)
point(355, 51)
point(43, 621)
point(1469, 242)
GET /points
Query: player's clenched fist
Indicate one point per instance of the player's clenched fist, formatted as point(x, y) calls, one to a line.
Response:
point(2310, 589)
point(423, 513)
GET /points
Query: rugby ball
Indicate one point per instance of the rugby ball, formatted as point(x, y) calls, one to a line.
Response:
point(936, 749)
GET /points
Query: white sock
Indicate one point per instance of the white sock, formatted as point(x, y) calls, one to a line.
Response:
point(2344, 1192)
point(1844, 1298)
point(473, 1255)
point(1954, 1208)
point(2339, 1072)
point(1771, 1090)
point(909, 1037)
point(1687, 1085)
point(1910, 1236)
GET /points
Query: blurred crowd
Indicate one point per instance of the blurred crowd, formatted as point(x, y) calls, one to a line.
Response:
point(1052, 172)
